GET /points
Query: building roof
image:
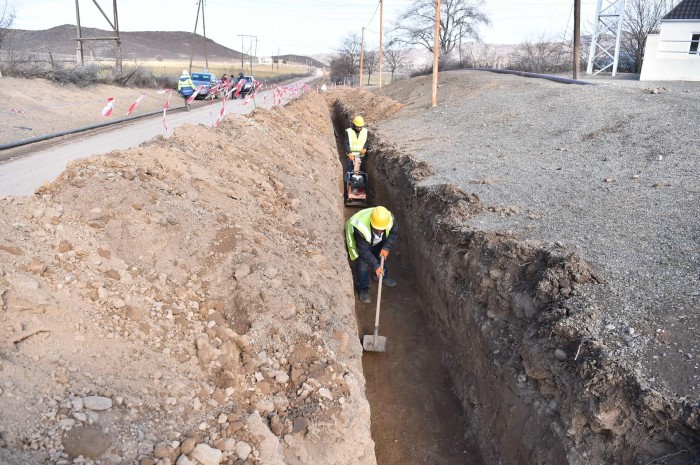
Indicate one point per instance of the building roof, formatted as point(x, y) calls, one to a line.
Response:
point(687, 9)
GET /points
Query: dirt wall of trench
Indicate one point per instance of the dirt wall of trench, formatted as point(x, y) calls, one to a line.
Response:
point(533, 376)
point(185, 301)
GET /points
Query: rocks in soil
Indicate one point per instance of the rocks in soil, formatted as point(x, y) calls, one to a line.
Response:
point(88, 442)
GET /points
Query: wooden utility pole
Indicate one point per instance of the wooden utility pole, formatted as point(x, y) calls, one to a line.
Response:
point(381, 35)
point(577, 38)
point(436, 51)
point(362, 55)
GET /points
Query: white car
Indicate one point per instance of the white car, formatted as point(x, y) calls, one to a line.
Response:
point(249, 85)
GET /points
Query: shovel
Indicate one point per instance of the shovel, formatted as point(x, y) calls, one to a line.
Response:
point(375, 342)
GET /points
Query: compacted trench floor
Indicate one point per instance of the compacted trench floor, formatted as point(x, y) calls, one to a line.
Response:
point(416, 417)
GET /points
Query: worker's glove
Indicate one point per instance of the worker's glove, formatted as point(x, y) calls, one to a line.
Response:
point(351, 157)
point(379, 272)
point(384, 253)
point(363, 151)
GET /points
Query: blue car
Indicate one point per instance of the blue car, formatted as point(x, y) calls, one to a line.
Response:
point(208, 80)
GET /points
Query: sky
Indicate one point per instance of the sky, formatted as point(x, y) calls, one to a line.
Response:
point(304, 27)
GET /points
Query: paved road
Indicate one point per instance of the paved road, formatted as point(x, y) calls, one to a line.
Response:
point(22, 176)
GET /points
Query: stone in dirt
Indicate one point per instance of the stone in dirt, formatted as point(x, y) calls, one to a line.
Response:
point(97, 403)
point(207, 455)
point(87, 442)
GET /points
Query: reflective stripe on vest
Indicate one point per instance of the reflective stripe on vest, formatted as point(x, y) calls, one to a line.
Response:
point(357, 142)
point(361, 222)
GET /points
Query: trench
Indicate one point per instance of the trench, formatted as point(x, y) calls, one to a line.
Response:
point(416, 417)
point(489, 350)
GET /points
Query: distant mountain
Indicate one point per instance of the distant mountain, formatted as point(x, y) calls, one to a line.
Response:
point(145, 45)
point(301, 59)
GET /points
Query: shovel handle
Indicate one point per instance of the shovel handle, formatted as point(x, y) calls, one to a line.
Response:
point(379, 297)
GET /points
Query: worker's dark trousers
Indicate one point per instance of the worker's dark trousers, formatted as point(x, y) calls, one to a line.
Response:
point(363, 269)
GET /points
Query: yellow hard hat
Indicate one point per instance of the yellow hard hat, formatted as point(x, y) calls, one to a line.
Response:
point(380, 218)
point(359, 121)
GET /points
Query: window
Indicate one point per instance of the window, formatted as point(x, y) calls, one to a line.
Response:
point(694, 44)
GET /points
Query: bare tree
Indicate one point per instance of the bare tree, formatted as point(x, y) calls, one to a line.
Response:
point(7, 19)
point(395, 54)
point(371, 63)
point(541, 56)
point(642, 17)
point(347, 63)
point(459, 19)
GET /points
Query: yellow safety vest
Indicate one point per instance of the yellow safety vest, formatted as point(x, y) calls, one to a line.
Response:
point(361, 222)
point(357, 142)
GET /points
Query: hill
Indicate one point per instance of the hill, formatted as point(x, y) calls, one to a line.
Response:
point(142, 45)
point(301, 59)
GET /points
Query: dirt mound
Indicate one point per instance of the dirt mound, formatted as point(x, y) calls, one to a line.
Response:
point(188, 298)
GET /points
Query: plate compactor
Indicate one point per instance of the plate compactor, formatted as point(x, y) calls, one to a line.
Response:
point(356, 185)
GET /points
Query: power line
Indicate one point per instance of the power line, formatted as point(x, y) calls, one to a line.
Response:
point(375, 13)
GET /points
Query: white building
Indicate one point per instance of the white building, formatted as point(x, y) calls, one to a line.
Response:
point(673, 54)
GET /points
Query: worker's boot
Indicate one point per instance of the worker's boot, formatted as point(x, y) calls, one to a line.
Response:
point(364, 296)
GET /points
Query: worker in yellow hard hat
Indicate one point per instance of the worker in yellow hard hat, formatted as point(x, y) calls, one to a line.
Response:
point(369, 234)
point(355, 140)
point(186, 87)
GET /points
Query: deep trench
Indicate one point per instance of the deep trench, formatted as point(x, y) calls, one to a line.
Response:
point(416, 415)
point(474, 326)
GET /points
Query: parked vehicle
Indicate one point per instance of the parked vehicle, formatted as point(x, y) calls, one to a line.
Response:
point(249, 85)
point(208, 80)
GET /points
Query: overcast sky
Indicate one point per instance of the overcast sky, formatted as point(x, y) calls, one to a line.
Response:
point(294, 26)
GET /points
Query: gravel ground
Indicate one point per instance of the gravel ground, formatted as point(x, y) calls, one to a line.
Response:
point(610, 172)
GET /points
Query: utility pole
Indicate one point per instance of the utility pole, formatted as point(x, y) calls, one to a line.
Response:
point(194, 33)
point(362, 55)
point(577, 38)
point(436, 52)
point(204, 31)
point(278, 60)
point(114, 24)
point(248, 51)
point(381, 36)
point(252, 68)
point(80, 59)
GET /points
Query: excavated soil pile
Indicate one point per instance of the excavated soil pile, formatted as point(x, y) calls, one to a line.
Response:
point(537, 382)
point(188, 302)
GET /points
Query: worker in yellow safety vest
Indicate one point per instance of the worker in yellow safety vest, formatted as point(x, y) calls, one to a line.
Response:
point(355, 140)
point(370, 234)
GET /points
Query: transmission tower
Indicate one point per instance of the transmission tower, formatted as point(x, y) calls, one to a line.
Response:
point(200, 7)
point(114, 24)
point(605, 42)
point(250, 50)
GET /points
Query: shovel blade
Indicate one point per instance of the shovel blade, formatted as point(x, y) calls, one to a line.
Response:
point(373, 343)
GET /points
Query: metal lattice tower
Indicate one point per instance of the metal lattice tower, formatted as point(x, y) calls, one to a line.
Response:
point(605, 42)
point(114, 24)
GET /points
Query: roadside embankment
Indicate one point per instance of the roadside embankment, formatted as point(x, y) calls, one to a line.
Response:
point(185, 301)
point(536, 383)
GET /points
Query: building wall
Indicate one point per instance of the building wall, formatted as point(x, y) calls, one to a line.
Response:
point(666, 57)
